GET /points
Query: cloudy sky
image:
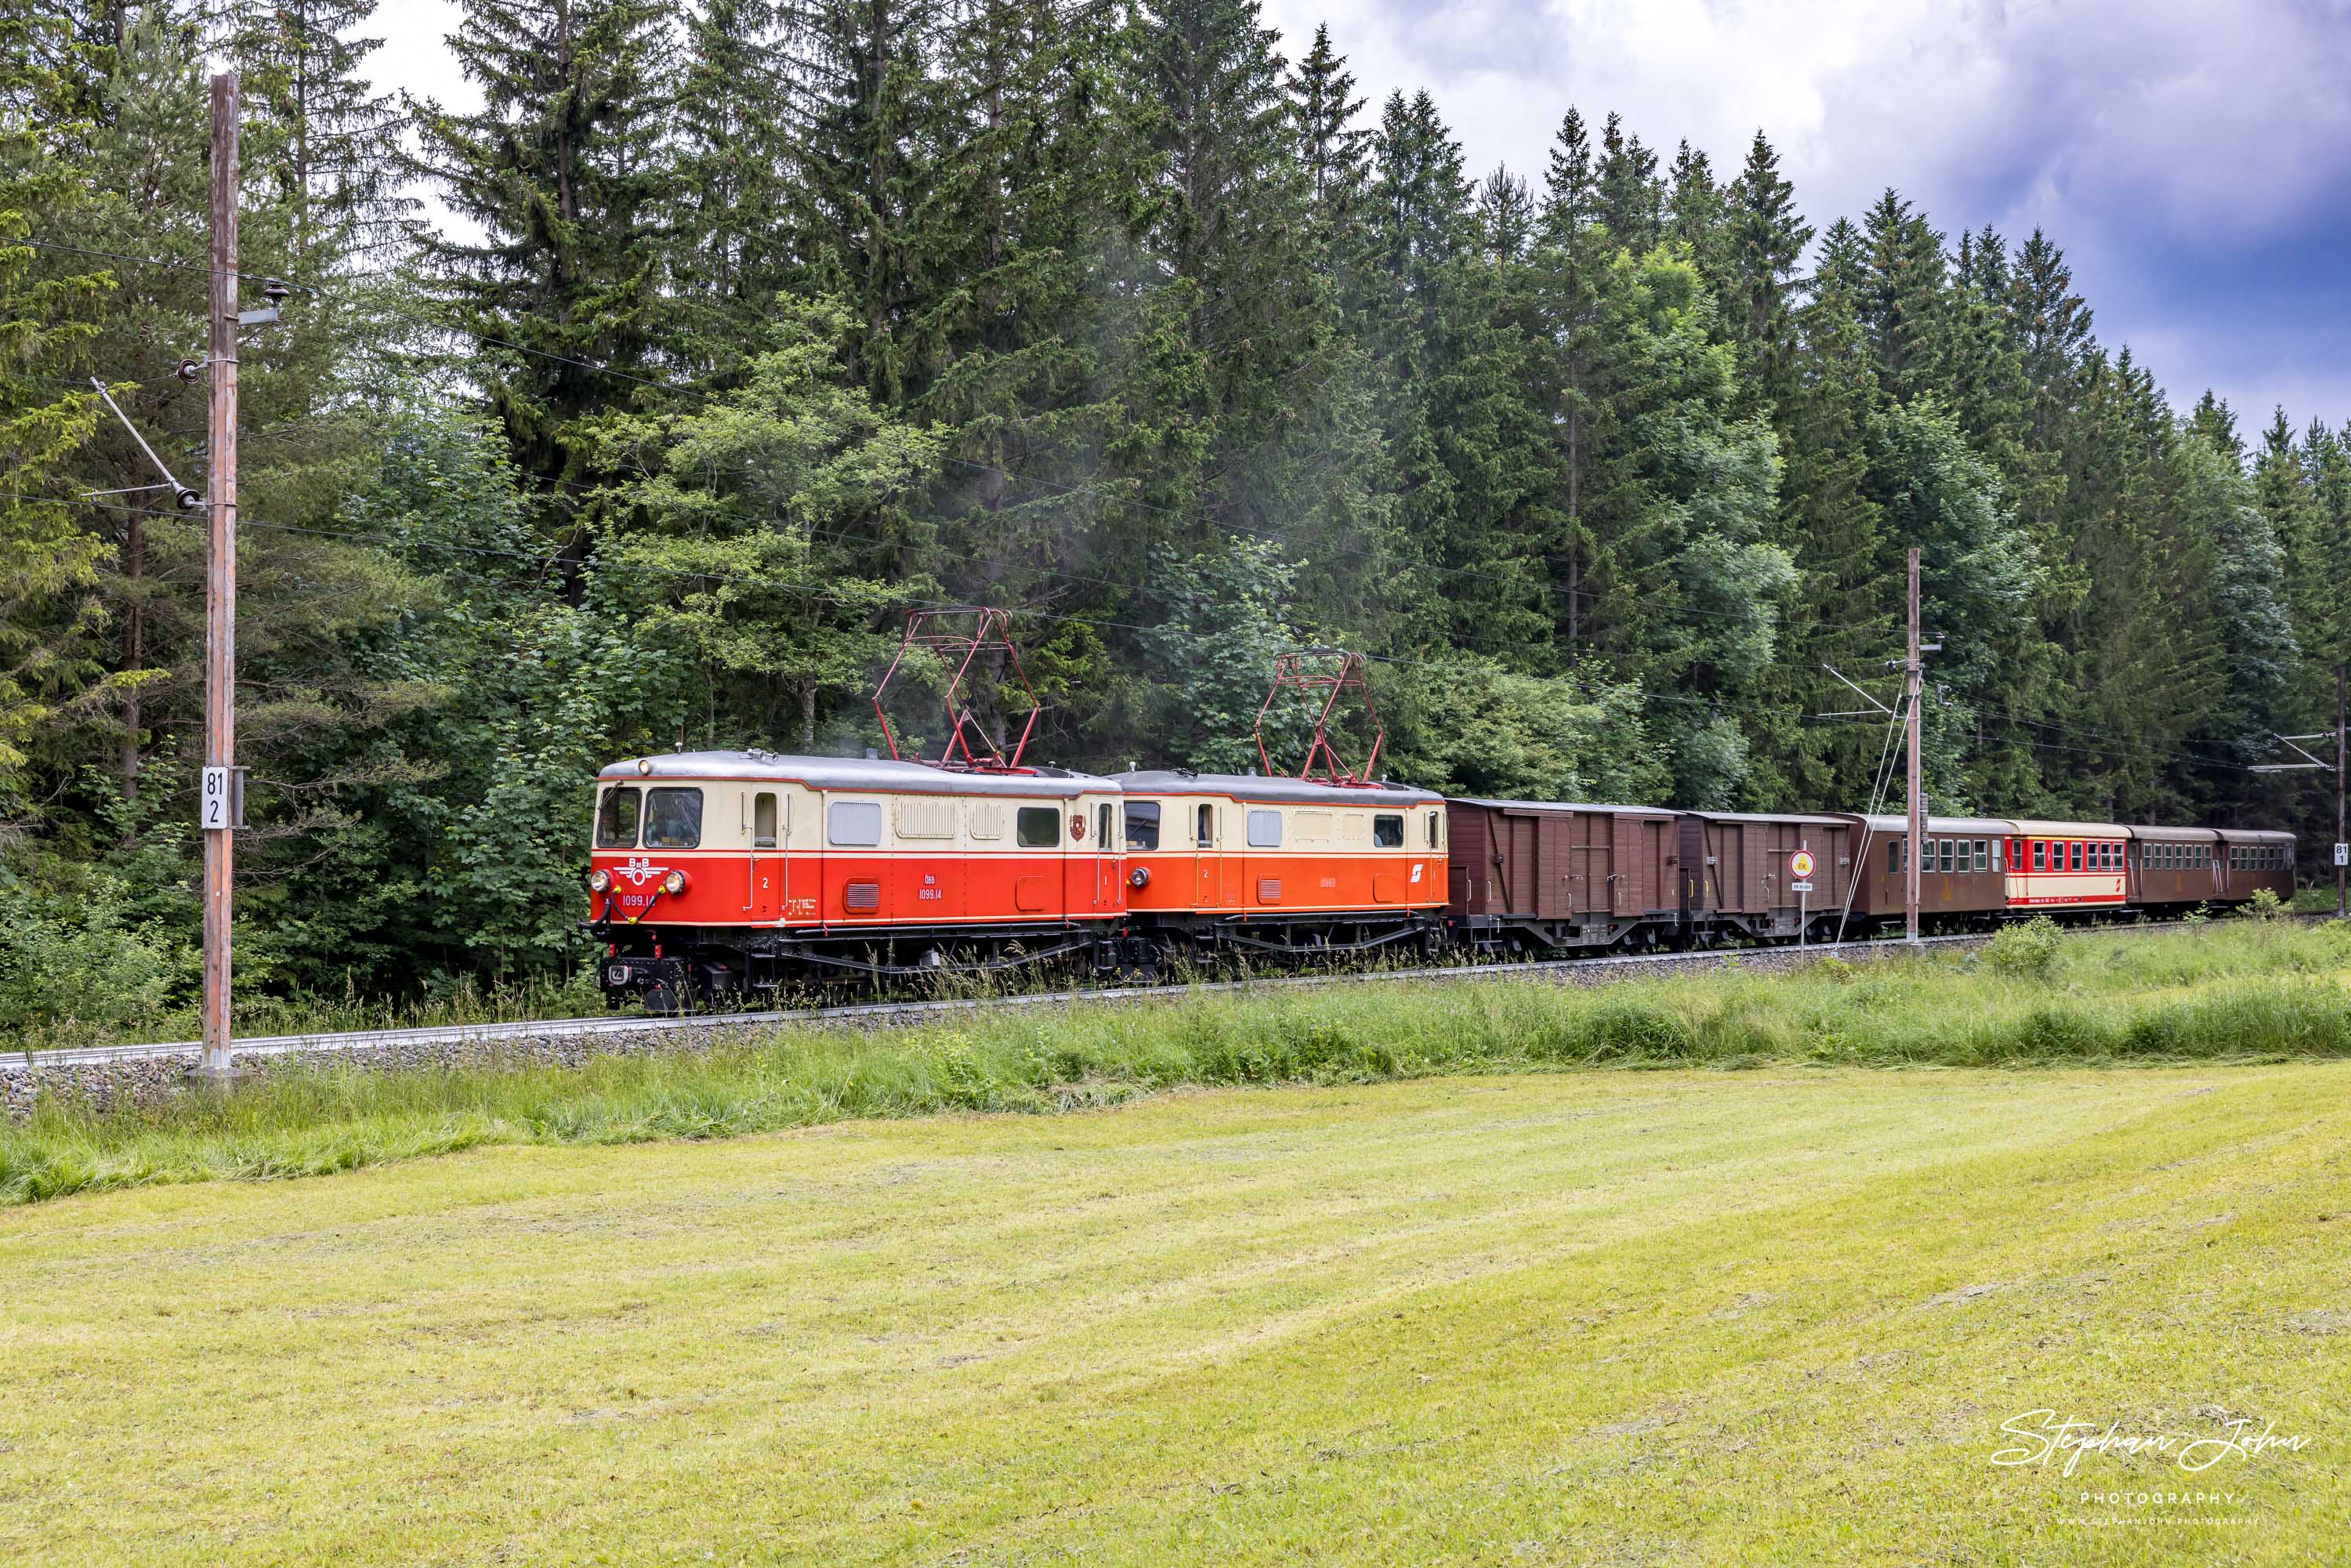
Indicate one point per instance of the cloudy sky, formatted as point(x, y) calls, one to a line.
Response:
point(2192, 157)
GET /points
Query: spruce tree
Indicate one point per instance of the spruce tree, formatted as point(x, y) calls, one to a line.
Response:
point(725, 206)
point(320, 128)
point(1632, 198)
point(556, 304)
point(1335, 150)
point(1763, 243)
point(1695, 207)
point(50, 614)
point(1903, 303)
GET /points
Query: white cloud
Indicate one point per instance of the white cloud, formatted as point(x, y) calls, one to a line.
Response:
point(2156, 142)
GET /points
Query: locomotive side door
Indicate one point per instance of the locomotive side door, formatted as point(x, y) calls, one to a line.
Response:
point(764, 893)
point(1206, 874)
point(769, 830)
point(1110, 859)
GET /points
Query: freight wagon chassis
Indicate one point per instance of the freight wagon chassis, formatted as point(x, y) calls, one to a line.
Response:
point(1503, 935)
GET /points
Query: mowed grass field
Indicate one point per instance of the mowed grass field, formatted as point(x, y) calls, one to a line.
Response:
point(1663, 1317)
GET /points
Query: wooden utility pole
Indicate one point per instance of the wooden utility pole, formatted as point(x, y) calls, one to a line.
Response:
point(218, 813)
point(1911, 685)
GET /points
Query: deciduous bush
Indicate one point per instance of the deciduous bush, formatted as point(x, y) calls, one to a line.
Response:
point(2027, 951)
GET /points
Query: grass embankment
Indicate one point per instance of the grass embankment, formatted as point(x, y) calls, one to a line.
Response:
point(1665, 1318)
point(2241, 991)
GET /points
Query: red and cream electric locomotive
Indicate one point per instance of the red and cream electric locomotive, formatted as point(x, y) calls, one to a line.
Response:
point(1325, 861)
point(719, 873)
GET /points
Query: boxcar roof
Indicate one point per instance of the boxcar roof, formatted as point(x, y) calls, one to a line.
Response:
point(1273, 788)
point(1812, 821)
point(879, 774)
point(1562, 805)
point(1882, 823)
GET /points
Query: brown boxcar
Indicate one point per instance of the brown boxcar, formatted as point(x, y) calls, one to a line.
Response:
point(2252, 859)
point(1736, 880)
point(1527, 873)
point(1961, 876)
point(2172, 868)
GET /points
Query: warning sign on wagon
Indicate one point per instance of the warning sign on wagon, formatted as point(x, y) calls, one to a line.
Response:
point(1800, 863)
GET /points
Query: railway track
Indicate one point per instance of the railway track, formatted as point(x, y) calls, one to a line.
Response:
point(401, 1042)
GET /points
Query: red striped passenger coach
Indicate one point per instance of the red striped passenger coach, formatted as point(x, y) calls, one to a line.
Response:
point(722, 871)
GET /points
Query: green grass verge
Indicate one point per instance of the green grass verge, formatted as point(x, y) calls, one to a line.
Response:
point(2238, 990)
point(1668, 1318)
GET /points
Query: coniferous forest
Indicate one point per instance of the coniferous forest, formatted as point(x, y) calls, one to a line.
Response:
point(739, 327)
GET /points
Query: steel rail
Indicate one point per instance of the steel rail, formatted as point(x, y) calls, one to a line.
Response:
point(357, 1042)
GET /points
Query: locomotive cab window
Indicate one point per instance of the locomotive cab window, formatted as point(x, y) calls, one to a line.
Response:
point(1207, 834)
point(673, 819)
point(1103, 842)
point(1038, 828)
point(1265, 829)
point(1435, 830)
point(763, 820)
point(854, 825)
point(1143, 825)
point(616, 818)
point(1387, 833)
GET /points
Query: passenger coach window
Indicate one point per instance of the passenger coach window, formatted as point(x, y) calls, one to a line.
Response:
point(616, 818)
point(673, 819)
point(1983, 854)
point(1265, 829)
point(854, 825)
point(1143, 824)
point(1387, 833)
point(763, 820)
point(2040, 855)
point(1038, 828)
point(1893, 856)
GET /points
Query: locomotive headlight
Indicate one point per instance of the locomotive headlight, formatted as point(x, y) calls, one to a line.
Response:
point(1139, 877)
point(673, 884)
point(598, 880)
